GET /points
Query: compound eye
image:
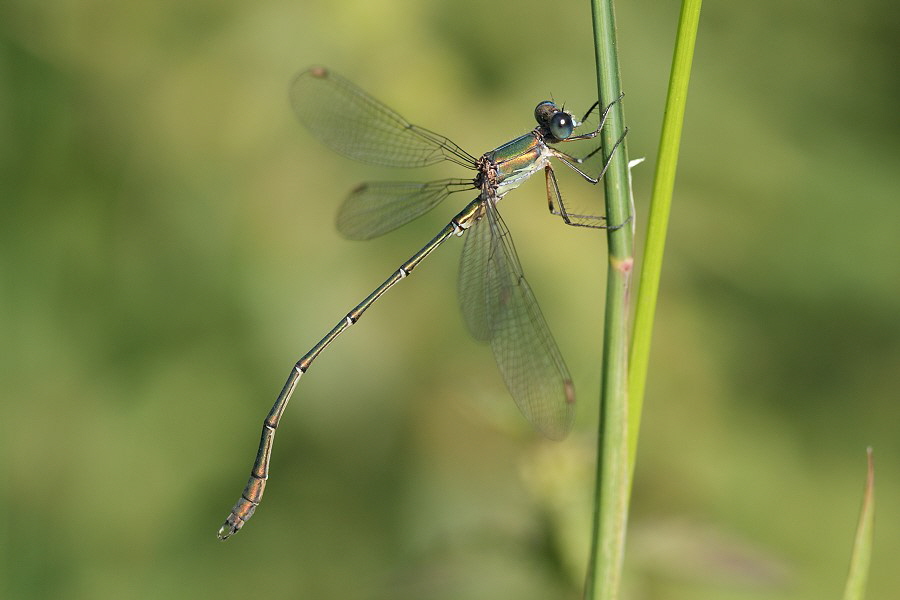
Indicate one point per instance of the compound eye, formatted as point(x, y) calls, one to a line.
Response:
point(544, 111)
point(561, 125)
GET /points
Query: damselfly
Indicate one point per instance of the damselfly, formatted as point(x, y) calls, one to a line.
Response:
point(497, 303)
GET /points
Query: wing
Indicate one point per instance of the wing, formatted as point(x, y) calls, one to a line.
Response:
point(352, 123)
point(373, 209)
point(472, 284)
point(499, 306)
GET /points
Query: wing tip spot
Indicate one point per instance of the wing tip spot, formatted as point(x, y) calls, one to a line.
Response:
point(569, 389)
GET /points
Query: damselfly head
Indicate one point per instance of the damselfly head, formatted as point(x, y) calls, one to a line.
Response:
point(555, 122)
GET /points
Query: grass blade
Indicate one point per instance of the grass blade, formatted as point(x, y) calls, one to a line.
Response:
point(658, 216)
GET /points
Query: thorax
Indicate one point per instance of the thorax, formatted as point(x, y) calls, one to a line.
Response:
point(508, 166)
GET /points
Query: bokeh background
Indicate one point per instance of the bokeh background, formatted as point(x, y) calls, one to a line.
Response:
point(167, 252)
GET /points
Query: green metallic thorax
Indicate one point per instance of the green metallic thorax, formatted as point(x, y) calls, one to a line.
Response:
point(515, 161)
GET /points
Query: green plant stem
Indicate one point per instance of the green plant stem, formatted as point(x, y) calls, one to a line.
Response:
point(613, 473)
point(658, 216)
point(622, 388)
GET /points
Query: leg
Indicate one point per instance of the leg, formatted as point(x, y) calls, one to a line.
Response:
point(571, 161)
point(579, 220)
point(574, 220)
point(592, 134)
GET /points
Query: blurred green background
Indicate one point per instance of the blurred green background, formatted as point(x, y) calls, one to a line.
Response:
point(167, 253)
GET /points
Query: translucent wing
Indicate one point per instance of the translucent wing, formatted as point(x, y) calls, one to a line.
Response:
point(354, 124)
point(373, 209)
point(472, 283)
point(499, 306)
